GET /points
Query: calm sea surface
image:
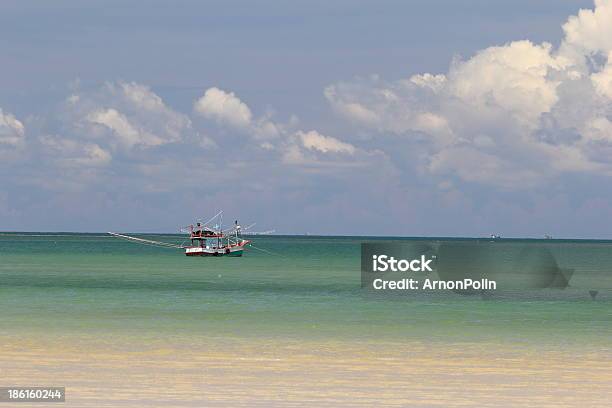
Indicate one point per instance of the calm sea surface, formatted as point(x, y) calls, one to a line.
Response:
point(95, 284)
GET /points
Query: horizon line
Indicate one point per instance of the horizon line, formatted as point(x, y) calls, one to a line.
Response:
point(454, 237)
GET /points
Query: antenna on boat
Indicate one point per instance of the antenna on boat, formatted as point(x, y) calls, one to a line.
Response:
point(212, 218)
point(238, 227)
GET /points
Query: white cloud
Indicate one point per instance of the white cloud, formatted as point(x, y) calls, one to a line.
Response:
point(598, 129)
point(131, 113)
point(125, 131)
point(71, 153)
point(145, 108)
point(473, 165)
point(511, 115)
point(399, 108)
point(602, 80)
point(320, 153)
point(266, 129)
point(291, 146)
point(12, 131)
point(313, 140)
point(224, 107)
point(590, 31)
point(142, 96)
point(433, 82)
point(94, 127)
point(352, 110)
point(515, 78)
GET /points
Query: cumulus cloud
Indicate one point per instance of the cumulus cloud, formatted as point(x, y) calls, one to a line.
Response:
point(227, 109)
point(95, 131)
point(224, 107)
point(602, 80)
point(95, 134)
point(315, 149)
point(589, 32)
point(516, 78)
point(123, 129)
point(71, 153)
point(125, 115)
point(398, 108)
point(12, 131)
point(293, 146)
point(313, 140)
point(512, 115)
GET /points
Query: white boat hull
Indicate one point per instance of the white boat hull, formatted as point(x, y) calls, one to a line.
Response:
point(232, 250)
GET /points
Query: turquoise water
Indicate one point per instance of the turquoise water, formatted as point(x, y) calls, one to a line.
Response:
point(96, 284)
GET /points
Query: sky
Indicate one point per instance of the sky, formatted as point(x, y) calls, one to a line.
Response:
point(409, 118)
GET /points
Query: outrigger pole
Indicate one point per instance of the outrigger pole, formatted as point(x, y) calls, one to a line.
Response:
point(147, 241)
point(173, 246)
point(212, 218)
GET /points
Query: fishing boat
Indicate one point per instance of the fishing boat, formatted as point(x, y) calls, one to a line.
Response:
point(213, 241)
point(207, 238)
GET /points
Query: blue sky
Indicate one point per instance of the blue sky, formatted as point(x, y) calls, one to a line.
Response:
point(344, 117)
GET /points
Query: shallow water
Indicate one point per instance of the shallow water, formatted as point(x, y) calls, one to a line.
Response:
point(121, 324)
point(96, 283)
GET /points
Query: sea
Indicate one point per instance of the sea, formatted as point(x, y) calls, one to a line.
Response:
point(65, 297)
point(292, 286)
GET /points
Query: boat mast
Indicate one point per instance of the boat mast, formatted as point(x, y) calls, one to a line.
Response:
point(220, 230)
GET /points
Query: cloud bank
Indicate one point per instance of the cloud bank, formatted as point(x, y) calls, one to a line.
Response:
point(511, 116)
point(12, 133)
point(507, 122)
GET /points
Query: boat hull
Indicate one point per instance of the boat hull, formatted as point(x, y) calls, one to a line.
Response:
point(234, 250)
